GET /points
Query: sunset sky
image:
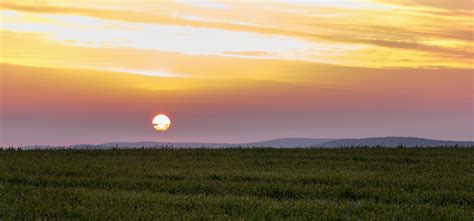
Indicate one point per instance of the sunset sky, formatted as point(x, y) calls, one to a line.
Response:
point(94, 71)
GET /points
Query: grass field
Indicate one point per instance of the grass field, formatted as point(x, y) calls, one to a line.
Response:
point(255, 184)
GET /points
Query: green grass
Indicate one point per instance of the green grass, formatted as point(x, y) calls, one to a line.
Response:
point(238, 184)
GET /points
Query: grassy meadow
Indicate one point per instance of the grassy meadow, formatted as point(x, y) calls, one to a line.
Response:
point(238, 184)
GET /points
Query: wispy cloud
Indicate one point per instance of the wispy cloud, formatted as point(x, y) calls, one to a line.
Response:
point(345, 32)
point(464, 5)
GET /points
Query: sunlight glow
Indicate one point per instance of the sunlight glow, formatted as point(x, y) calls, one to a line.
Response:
point(204, 4)
point(90, 32)
point(143, 72)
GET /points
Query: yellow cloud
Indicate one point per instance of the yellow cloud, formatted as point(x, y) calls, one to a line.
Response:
point(344, 32)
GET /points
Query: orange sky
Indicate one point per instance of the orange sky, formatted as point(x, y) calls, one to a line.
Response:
point(91, 71)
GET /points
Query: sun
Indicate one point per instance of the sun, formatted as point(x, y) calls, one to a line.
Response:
point(161, 122)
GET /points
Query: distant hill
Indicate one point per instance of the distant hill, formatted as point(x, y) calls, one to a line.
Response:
point(288, 142)
point(165, 144)
point(393, 142)
point(280, 143)
point(283, 142)
point(292, 143)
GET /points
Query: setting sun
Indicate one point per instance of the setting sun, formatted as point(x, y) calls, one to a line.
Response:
point(161, 122)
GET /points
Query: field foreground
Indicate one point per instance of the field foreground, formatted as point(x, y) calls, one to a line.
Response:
point(170, 184)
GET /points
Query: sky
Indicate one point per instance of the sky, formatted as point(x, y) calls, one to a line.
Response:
point(95, 71)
